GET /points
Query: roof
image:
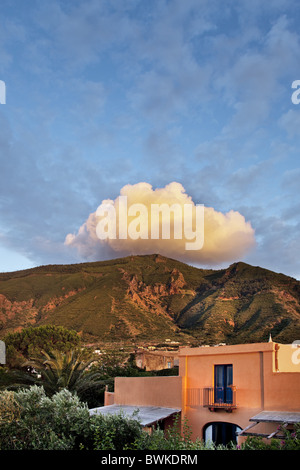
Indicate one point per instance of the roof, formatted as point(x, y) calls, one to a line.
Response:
point(227, 349)
point(283, 417)
point(290, 417)
point(146, 415)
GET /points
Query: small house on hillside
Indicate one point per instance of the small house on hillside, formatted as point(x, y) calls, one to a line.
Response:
point(156, 360)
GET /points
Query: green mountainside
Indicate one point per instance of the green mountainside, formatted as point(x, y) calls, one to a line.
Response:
point(142, 299)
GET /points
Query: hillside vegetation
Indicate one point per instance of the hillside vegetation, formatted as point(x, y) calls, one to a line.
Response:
point(141, 299)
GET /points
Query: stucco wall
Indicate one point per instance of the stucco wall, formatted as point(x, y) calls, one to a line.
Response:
point(154, 391)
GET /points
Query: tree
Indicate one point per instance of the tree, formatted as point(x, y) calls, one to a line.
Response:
point(20, 346)
point(58, 370)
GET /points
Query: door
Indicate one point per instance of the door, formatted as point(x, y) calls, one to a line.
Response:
point(223, 383)
point(221, 433)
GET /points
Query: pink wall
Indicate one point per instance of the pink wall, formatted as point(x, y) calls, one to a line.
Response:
point(154, 391)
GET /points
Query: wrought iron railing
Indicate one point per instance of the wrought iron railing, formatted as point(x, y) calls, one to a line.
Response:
point(220, 398)
point(212, 398)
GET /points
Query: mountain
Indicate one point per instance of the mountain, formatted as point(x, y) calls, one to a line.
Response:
point(143, 299)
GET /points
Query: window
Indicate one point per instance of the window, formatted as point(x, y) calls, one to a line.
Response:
point(223, 383)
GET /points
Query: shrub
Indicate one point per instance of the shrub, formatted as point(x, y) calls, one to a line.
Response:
point(43, 423)
point(115, 432)
point(31, 420)
point(10, 409)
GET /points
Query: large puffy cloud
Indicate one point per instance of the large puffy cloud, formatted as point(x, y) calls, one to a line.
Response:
point(226, 237)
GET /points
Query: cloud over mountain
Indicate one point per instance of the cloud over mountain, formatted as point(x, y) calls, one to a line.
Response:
point(227, 237)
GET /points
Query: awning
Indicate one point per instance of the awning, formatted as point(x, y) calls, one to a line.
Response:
point(283, 418)
point(146, 415)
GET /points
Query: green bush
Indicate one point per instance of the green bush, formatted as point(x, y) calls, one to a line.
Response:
point(43, 423)
point(10, 409)
point(31, 420)
point(115, 432)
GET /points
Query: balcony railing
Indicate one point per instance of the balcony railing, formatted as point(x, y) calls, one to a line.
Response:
point(212, 398)
point(220, 398)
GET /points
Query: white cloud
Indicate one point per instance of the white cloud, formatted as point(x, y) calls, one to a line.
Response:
point(227, 237)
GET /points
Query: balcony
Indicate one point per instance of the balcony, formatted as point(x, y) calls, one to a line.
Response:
point(220, 398)
point(212, 398)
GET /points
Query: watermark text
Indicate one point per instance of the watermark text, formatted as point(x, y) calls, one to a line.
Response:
point(296, 353)
point(2, 92)
point(296, 94)
point(136, 221)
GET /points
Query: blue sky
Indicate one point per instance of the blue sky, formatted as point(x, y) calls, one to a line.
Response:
point(104, 94)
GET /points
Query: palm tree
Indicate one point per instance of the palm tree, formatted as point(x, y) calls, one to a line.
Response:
point(64, 370)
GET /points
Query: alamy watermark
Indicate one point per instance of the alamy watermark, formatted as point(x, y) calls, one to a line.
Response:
point(2, 92)
point(296, 353)
point(296, 94)
point(187, 221)
point(2, 353)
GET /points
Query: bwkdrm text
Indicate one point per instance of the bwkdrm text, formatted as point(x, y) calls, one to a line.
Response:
point(150, 459)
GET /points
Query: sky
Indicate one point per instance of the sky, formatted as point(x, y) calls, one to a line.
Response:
point(160, 101)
